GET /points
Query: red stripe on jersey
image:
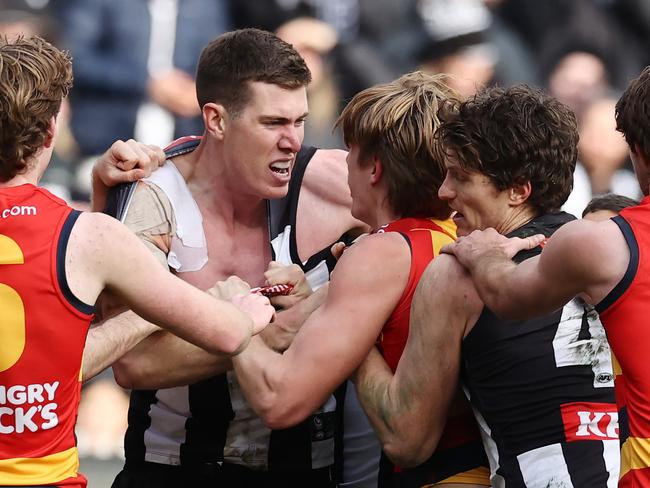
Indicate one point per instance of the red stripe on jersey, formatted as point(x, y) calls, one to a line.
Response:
point(589, 421)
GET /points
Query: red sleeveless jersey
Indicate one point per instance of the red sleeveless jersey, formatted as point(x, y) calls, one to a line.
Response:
point(42, 334)
point(461, 435)
point(425, 238)
point(624, 313)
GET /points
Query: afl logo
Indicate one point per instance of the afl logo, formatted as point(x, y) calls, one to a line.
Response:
point(604, 377)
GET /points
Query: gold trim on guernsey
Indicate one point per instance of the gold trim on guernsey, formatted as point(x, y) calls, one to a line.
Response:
point(477, 476)
point(448, 225)
point(40, 471)
point(635, 454)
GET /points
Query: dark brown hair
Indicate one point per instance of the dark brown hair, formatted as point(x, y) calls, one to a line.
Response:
point(609, 201)
point(633, 113)
point(514, 136)
point(34, 78)
point(233, 59)
point(396, 122)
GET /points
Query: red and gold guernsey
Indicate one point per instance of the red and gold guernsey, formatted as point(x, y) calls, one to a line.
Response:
point(460, 457)
point(624, 313)
point(43, 329)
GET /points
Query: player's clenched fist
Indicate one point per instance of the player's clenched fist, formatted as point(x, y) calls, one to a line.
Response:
point(257, 307)
point(227, 289)
point(127, 161)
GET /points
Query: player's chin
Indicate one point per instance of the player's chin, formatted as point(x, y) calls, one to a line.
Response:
point(272, 192)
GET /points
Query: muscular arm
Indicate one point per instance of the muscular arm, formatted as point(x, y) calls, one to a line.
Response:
point(184, 363)
point(582, 257)
point(284, 388)
point(408, 410)
point(129, 270)
point(111, 339)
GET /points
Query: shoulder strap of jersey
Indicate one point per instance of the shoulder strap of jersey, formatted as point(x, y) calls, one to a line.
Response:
point(282, 211)
point(119, 197)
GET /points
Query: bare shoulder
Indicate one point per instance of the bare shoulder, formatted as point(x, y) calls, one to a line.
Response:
point(594, 254)
point(324, 206)
point(446, 274)
point(96, 243)
point(375, 256)
point(327, 176)
point(95, 231)
point(587, 241)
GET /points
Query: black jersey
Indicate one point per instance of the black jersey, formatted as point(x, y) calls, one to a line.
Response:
point(543, 392)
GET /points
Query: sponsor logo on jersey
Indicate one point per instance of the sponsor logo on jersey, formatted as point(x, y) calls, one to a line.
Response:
point(28, 407)
point(18, 211)
point(590, 421)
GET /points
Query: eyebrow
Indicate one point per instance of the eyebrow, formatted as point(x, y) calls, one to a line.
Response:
point(280, 118)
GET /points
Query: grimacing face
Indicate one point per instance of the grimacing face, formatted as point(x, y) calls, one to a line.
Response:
point(262, 140)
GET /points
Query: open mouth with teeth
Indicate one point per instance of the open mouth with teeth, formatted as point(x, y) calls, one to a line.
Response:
point(280, 167)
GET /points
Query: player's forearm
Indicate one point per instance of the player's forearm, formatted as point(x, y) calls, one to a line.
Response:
point(110, 340)
point(163, 360)
point(389, 407)
point(280, 333)
point(262, 375)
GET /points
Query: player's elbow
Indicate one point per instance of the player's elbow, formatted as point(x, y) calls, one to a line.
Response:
point(233, 342)
point(236, 344)
point(127, 374)
point(407, 453)
point(282, 415)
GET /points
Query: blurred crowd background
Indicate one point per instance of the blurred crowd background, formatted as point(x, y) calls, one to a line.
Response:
point(134, 62)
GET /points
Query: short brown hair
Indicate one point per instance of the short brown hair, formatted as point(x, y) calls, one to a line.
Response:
point(396, 122)
point(633, 113)
point(609, 201)
point(233, 59)
point(34, 78)
point(514, 136)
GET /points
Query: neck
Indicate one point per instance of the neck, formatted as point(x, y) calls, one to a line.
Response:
point(383, 215)
point(218, 190)
point(519, 217)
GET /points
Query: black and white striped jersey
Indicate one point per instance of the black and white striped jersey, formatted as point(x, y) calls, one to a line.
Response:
point(210, 421)
point(543, 392)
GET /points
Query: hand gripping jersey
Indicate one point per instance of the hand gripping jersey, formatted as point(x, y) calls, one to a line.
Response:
point(460, 457)
point(542, 390)
point(42, 334)
point(624, 313)
point(210, 422)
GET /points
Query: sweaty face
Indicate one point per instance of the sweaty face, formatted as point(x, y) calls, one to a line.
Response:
point(261, 142)
point(478, 204)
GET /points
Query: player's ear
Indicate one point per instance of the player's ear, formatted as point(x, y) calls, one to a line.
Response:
point(377, 171)
point(519, 193)
point(214, 119)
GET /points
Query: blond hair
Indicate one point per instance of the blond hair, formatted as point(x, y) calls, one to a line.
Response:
point(396, 123)
point(34, 78)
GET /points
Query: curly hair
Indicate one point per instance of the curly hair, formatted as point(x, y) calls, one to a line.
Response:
point(34, 78)
point(233, 59)
point(633, 113)
point(514, 136)
point(396, 122)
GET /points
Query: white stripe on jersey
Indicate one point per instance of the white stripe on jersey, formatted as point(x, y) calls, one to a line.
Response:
point(612, 453)
point(496, 480)
point(545, 467)
point(164, 437)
